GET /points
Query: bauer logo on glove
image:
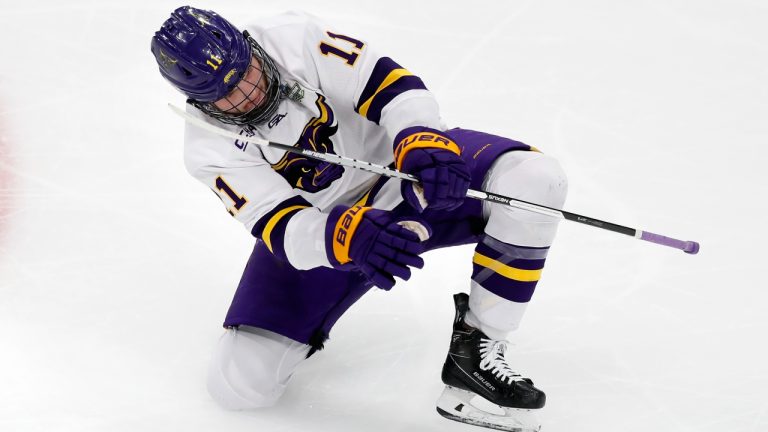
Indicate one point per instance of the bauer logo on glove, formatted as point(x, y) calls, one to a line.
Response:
point(375, 243)
point(347, 223)
point(435, 159)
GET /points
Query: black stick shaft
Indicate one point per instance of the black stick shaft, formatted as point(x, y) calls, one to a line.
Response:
point(567, 215)
point(690, 247)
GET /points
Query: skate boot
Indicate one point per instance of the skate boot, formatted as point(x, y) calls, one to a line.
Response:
point(476, 367)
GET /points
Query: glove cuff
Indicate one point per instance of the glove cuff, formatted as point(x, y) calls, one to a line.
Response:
point(421, 137)
point(339, 230)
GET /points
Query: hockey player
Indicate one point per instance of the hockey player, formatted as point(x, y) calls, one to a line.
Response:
point(326, 234)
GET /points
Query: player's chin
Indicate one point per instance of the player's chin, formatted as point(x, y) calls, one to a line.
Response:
point(256, 102)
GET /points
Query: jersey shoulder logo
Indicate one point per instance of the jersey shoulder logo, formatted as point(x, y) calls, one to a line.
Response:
point(308, 174)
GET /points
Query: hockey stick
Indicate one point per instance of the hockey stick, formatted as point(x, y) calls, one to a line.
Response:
point(690, 247)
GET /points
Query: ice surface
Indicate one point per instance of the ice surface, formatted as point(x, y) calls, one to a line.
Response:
point(116, 267)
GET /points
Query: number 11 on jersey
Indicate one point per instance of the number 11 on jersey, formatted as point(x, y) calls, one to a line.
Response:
point(239, 201)
point(349, 56)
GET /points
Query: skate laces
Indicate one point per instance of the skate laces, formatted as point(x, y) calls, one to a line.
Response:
point(493, 360)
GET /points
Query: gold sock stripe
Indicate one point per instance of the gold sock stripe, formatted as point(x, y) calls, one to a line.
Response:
point(265, 235)
point(505, 270)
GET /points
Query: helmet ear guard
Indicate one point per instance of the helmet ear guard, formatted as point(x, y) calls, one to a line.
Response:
point(204, 56)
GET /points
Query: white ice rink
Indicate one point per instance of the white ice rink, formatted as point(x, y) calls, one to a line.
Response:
point(117, 267)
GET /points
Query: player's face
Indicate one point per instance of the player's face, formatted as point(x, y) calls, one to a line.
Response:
point(249, 93)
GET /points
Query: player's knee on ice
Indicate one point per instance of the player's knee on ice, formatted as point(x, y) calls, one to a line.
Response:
point(250, 367)
point(529, 176)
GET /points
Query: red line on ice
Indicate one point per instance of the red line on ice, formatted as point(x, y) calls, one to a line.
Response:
point(5, 179)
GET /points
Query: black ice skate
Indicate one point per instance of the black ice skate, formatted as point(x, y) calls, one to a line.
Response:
point(476, 367)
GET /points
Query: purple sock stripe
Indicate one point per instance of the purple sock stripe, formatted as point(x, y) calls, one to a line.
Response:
point(480, 273)
point(489, 243)
point(488, 251)
point(516, 291)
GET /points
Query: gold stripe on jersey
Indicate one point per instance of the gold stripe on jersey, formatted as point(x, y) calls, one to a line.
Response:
point(265, 235)
point(390, 78)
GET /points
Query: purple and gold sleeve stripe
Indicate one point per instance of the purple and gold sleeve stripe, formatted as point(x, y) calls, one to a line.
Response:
point(387, 81)
point(271, 227)
point(506, 270)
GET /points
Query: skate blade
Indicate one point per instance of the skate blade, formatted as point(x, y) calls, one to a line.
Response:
point(455, 404)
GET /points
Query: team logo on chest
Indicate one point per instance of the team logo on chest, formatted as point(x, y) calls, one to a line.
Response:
point(307, 174)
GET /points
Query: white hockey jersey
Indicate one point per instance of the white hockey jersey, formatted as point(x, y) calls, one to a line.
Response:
point(346, 99)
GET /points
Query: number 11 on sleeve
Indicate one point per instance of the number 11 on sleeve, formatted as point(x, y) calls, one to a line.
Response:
point(239, 201)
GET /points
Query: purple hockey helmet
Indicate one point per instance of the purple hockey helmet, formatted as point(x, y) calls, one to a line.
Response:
point(204, 56)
